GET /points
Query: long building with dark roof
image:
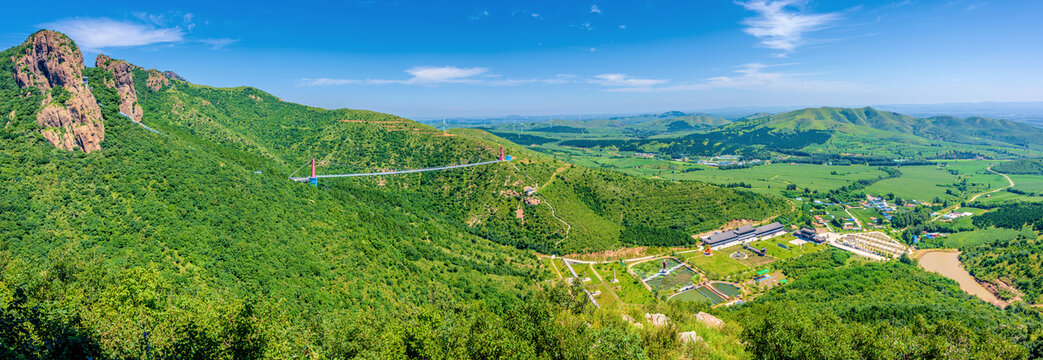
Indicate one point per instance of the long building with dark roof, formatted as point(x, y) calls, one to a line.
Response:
point(744, 234)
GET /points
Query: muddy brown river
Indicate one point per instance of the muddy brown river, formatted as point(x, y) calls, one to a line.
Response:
point(947, 263)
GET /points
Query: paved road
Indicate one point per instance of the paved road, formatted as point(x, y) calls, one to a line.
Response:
point(975, 197)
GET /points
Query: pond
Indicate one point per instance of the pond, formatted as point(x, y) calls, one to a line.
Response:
point(947, 263)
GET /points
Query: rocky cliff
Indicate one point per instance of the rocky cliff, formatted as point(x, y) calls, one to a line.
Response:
point(69, 115)
point(123, 75)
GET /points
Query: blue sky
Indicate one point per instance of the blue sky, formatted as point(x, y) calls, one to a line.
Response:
point(486, 58)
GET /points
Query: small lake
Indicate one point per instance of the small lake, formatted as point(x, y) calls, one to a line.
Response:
point(947, 263)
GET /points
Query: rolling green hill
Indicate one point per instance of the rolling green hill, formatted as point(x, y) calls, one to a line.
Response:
point(181, 236)
point(190, 241)
point(841, 134)
point(862, 122)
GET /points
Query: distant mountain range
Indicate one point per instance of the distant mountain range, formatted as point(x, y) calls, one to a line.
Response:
point(826, 130)
point(1024, 112)
point(970, 130)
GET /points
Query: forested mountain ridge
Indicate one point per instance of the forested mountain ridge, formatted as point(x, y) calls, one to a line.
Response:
point(492, 201)
point(860, 121)
point(871, 134)
point(189, 241)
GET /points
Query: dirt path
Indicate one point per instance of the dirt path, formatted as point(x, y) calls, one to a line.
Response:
point(555, 268)
point(859, 223)
point(568, 227)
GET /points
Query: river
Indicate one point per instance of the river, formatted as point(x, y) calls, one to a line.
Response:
point(947, 263)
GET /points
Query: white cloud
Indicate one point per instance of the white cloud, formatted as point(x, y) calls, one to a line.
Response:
point(98, 33)
point(781, 24)
point(594, 9)
point(753, 77)
point(218, 43)
point(188, 22)
point(624, 80)
point(586, 25)
point(535, 15)
point(485, 13)
point(427, 75)
point(622, 27)
point(443, 74)
point(326, 82)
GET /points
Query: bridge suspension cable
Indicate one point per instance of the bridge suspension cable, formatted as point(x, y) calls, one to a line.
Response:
point(313, 179)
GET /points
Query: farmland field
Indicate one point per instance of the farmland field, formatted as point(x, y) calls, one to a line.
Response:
point(917, 183)
point(1028, 183)
point(773, 178)
point(977, 237)
point(1003, 196)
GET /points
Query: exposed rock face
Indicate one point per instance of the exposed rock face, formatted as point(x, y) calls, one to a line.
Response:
point(123, 72)
point(689, 336)
point(156, 80)
point(709, 320)
point(173, 76)
point(658, 320)
point(51, 60)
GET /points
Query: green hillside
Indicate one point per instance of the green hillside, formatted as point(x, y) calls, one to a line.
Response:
point(183, 238)
point(836, 135)
point(281, 137)
point(190, 242)
point(972, 130)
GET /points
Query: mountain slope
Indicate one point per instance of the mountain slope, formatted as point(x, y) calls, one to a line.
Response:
point(490, 201)
point(181, 237)
point(189, 240)
point(972, 130)
point(845, 135)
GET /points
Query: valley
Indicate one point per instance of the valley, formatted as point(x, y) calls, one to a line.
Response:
point(146, 216)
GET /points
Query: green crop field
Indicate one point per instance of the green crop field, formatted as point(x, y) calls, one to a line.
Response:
point(773, 178)
point(1003, 196)
point(1028, 183)
point(977, 237)
point(916, 183)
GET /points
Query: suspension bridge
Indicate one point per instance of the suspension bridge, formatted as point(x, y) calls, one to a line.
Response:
point(314, 178)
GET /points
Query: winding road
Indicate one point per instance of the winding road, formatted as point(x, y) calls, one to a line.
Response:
point(975, 197)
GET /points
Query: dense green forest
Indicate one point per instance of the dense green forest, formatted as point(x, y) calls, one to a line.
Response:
point(1015, 262)
point(280, 136)
point(192, 243)
point(840, 308)
point(1013, 216)
point(1021, 167)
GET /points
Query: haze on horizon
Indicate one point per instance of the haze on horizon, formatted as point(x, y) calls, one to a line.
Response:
point(472, 58)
